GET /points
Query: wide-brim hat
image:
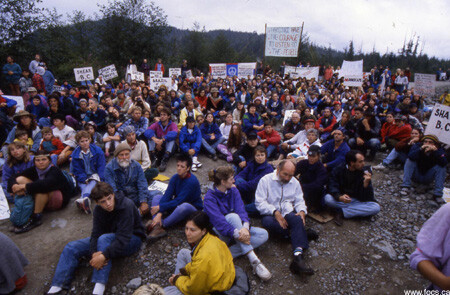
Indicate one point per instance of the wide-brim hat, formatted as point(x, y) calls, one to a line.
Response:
point(21, 114)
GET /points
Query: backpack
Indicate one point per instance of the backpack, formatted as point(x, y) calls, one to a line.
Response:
point(71, 182)
point(23, 208)
point(241, 284)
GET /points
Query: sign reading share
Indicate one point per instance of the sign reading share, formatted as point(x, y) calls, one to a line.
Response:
point(83, 74)
point(439, 123)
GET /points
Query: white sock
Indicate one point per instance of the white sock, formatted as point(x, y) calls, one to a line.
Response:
point(252, 257)
point(54, 290)
point(99, 289)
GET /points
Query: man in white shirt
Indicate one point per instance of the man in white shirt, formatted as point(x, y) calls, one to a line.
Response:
point(279, 199)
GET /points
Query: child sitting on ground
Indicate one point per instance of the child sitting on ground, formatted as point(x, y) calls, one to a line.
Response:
point(111, 139)
point(22, 136)
point(50, 143)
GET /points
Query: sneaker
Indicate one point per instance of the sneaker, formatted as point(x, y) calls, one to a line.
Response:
point(157, 233)
point(31, 223)
point(261, 271)
point(379, 167)
point(196, 162)
point(194, 168)
point(299, 266)
point(84, 204)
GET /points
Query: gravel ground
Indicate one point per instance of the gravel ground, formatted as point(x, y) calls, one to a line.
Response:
point(364, 256)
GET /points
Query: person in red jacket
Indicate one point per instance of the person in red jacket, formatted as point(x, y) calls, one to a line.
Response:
point(270, 138)
point(387, 126)
point(401, 131)
point(159, 66)
point(50, 143)
point(325, 124)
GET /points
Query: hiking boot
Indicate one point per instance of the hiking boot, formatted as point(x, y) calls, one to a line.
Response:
point(379, 167)
point(299, 266)
point(84, 204)
point(339, 217)
point(33, 222)
point(261, 271)
point(157, 233)
point(163, 165)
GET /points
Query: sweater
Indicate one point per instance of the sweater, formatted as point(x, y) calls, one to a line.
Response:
point(426, 161)
point(208, 129)
point(179, 191)
point(124, 221)
point(343, 181)
point(312, 177)
point(218, 204)
point(251, 174)
point(334, 157)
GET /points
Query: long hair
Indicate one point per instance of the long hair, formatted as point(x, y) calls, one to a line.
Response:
point(235, 140)
point(11, 161)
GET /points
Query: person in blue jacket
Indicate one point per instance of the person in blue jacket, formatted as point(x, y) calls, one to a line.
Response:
point(274, 107)
point(88, 167)
point(226, 211)
point(252, 121)
point(211, 136)
point(190, 141)
point(11, 73)
point(247, 180)
point(181, 199)
point(334, 150)
point(49, 81)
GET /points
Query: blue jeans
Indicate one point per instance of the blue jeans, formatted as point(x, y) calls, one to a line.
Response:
point(372, 144)
point(74, 250)
point(437, 173)
point(211, 147)
point(86, 188)
point(353, 209)
point(168, 145)
point(394, 155)
point(180, 213)
point(258, 236)
point(183, 258)
point(270, 150)
point(296, 230)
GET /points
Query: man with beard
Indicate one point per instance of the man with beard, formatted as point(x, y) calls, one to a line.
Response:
point(279, 199)
point(126, 175)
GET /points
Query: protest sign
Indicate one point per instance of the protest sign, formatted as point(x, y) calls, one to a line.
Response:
point(138, 76)
point(158, 186)
point(83, 74)
point(246, 69)
point(189, 74)
point(156, 74)
point(352, 71)
point(218, 70)
point(174, 71)
point(282, 41)
point(424, 84)
point(4, 207)
point(439, 123)
point(19, 99)
point(108, 72)
point(155, 83)
point(299, 72)
point(57, 88)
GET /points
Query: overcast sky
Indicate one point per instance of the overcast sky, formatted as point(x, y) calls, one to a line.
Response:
point(383, 23)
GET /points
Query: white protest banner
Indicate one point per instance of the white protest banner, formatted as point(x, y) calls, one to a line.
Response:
point(282, 41)
point(352, 71)
point(138, 76)
point(158, 186)
point(83, 74)
point(4, 207)
point(156, 74)
point(302, 72)
point(108, 72)
point(291, 71)
point(19, 99)
point(174, 71)
point(189, 74)
point(287, 116)
point(424, 84)
point(439, 123)
point(155, 83)
point(246, 69)
point(218, 70)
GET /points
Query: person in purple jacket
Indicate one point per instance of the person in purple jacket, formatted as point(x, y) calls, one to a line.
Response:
point(432, 255)
point(161, 140)
point(226, 211)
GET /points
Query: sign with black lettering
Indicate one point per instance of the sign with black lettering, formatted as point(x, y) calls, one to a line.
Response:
point(83, 74)
point(439, 124)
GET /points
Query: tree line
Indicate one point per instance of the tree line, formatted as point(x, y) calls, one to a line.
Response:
point(138, 29)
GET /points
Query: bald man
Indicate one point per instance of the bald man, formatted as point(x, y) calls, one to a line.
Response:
point(279, 199)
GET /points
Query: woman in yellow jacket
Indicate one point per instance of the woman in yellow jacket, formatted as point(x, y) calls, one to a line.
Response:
point(210, 269)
